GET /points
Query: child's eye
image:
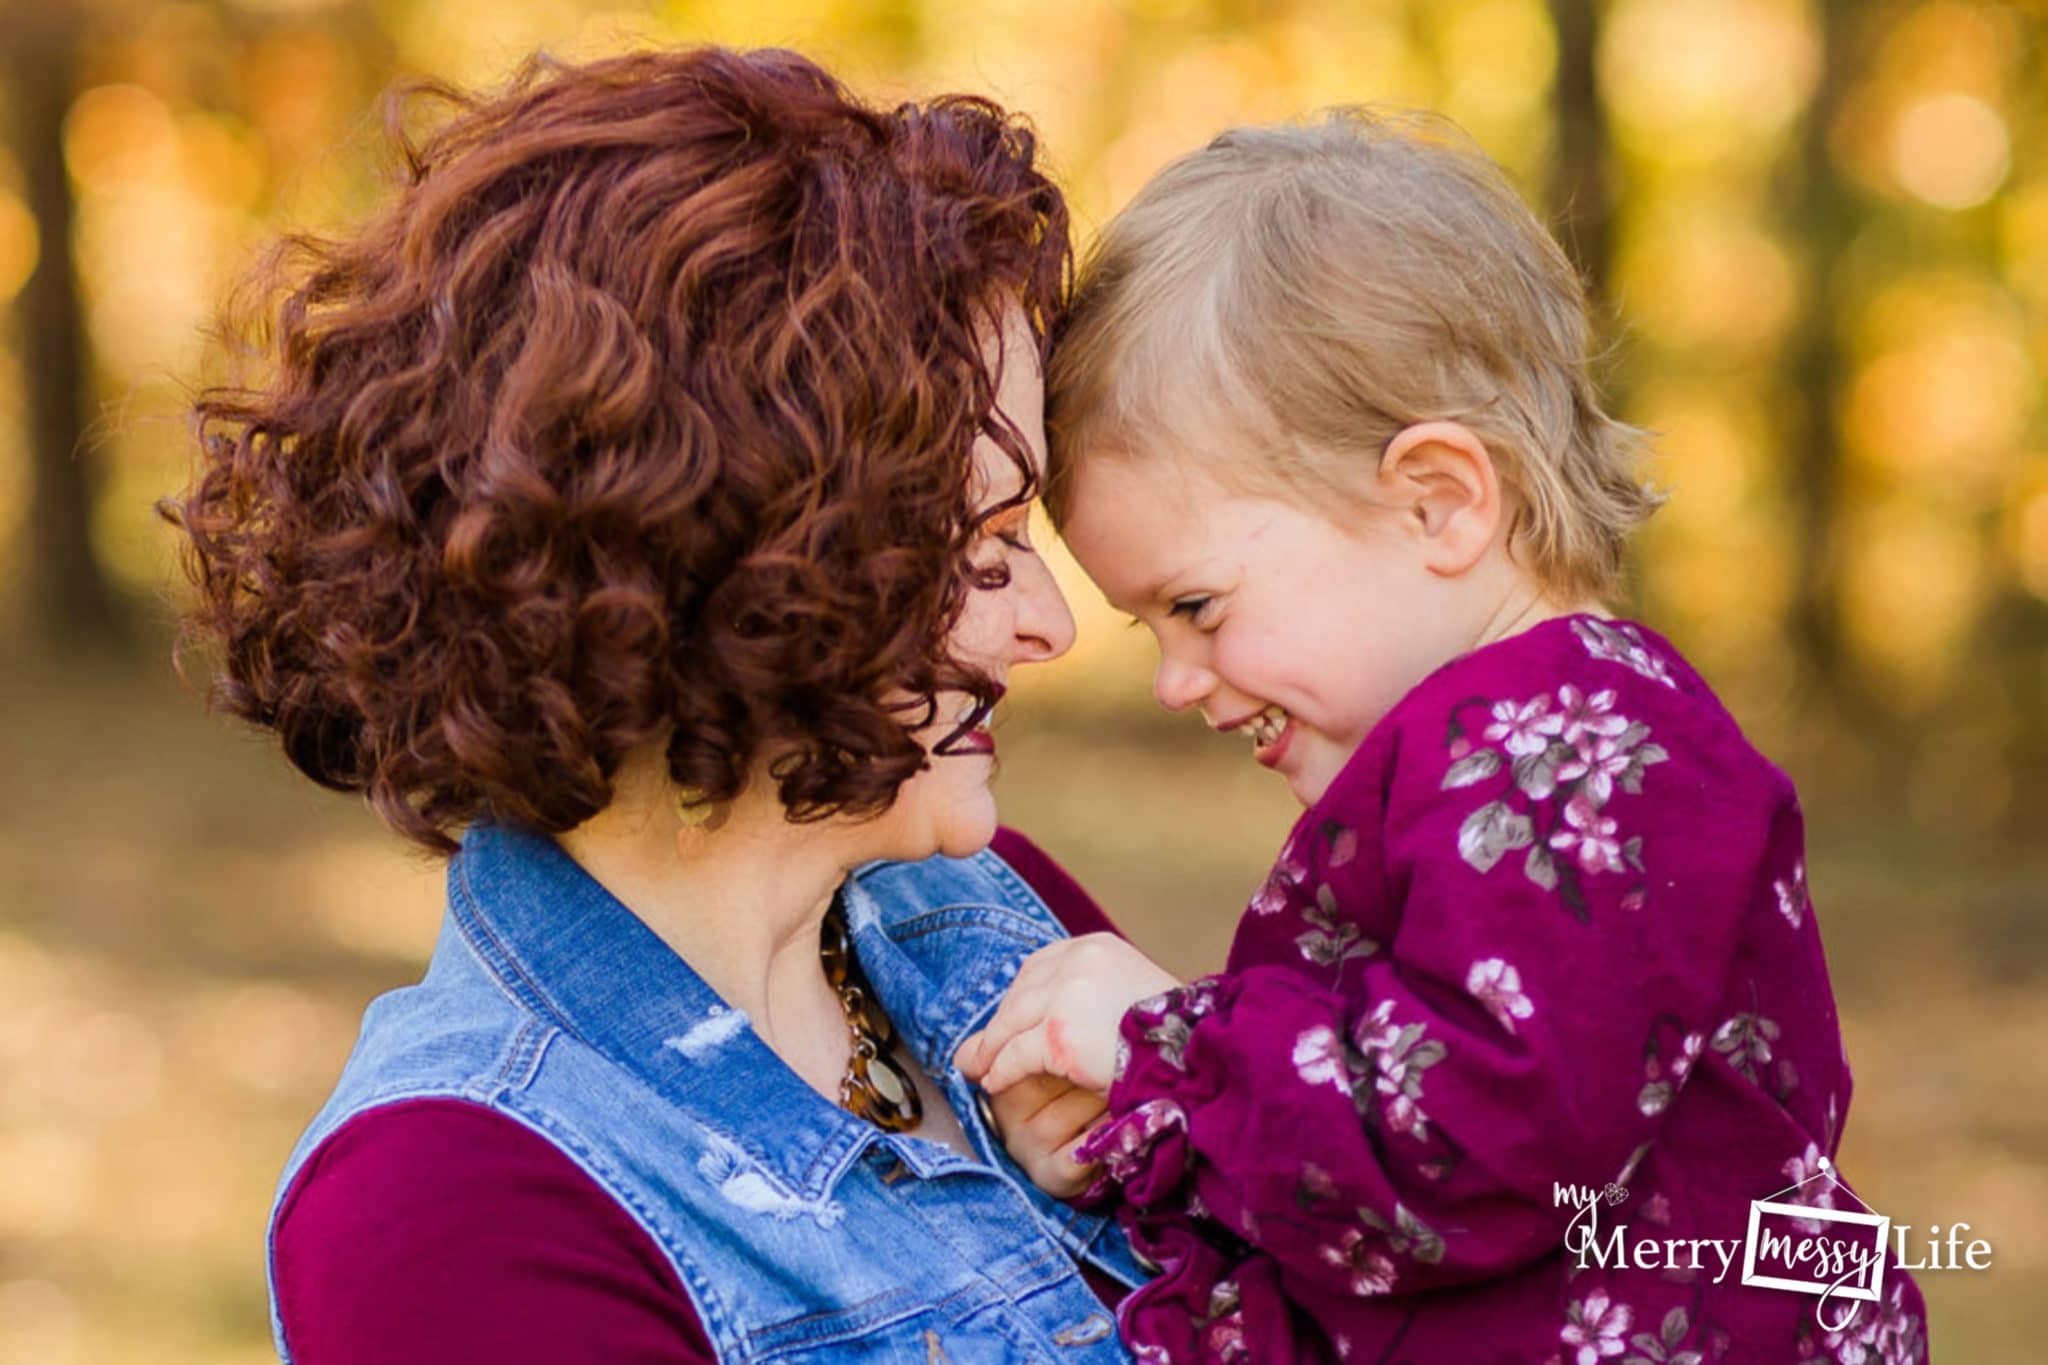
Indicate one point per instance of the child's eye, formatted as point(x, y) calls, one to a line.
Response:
point(1193, 609)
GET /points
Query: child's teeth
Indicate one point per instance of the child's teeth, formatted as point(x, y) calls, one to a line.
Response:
point(1267, 725)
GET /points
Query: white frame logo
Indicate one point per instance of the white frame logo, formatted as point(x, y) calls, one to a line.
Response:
point(1849, 1283)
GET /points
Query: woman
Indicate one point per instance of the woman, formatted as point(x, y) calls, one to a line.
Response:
point(643, 496)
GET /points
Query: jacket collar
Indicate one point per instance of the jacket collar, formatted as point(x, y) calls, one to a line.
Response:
point(571, 953)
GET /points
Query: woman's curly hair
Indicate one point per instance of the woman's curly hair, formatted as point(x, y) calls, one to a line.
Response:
point(646, 408)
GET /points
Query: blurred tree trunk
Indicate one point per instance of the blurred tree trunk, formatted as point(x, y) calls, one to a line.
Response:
point(1581, 200)
point(72, 605)
point(1823, 215)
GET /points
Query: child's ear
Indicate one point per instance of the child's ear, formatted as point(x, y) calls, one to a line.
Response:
point(1441, 478)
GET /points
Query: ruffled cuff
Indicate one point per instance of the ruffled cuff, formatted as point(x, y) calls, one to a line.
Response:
point(1142, 1146)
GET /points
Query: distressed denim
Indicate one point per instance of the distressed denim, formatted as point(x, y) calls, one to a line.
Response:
point(801, 1233)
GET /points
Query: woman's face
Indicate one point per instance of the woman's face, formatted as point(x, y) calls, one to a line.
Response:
point(948, 808)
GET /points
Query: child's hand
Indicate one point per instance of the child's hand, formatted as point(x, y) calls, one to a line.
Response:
point(1061, 1014)
point(1041, 1120)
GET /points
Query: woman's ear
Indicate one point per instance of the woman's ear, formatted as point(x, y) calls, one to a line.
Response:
point(1441, 479)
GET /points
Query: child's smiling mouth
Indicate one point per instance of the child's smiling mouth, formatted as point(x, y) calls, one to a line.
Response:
point(1270, 728)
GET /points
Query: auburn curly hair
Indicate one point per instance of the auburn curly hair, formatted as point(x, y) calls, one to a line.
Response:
point(645, 408)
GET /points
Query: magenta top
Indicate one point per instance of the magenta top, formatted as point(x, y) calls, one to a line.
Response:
point(1549, 926)
point(434, 1231)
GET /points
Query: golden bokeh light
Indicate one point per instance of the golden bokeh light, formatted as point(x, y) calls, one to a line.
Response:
point(1717, 551)
point(1707, 80)
point(1498, 59)
point(2030, 543)
point(118, 134)
point(2023, 234)
point(480, 42)
point(1912, 581)
point(1700, 272)
point(221, 161)
point(1949, 387)
point(1951, 150)
point(20, 248)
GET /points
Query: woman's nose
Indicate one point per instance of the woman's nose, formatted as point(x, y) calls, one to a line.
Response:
point(1044, 625)
point(1179, 685)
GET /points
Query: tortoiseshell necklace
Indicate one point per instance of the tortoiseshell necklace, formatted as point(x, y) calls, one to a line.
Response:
point(874, 1087)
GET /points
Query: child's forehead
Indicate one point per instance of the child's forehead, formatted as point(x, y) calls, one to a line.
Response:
point(1143, 474)
point(1137, 523)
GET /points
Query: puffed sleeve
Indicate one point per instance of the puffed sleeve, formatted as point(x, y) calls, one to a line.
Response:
point(1514, 930)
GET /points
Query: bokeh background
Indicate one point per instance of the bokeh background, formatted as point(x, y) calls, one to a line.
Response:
point(1818, 232)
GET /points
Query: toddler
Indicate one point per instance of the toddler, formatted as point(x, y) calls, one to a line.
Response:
point(1322, 421)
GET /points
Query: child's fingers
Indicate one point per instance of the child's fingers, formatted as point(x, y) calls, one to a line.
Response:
point(1024, 1055)
point(968, 1056)
point(1054, 1120)
point(1019, 1011)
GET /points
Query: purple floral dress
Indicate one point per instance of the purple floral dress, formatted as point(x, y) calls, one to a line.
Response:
point(1548, 927)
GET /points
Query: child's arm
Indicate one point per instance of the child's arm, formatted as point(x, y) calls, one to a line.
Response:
point(1399, 1119)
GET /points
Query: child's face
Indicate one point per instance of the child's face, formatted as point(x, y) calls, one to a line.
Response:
point(1273, 620)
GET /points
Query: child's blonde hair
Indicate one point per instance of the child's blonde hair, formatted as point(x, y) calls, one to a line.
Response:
point(1286, 300)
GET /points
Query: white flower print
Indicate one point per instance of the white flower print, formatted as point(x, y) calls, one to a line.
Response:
point(1745, 1040)
point(1319, 1059)
point(1371, 1271)
point(1223, 1326)
point(1121, 1145)
point(1890, 1336)
point(1689, 1049)
point(1377, 1030)
point(1395, 1056)
point(1664, 1079)
point(1565, 759)
point(1170, 1035)
point(1517, 729)
point(1287, 875)
point(1820, 1194)
point(1599, 759)
point(1792, 899)
point(1316, 1183)
point(1592, 833)
point(1597, 1328)
point(1406, 1234)
point(1579, 715)
point(1329, 941)
point(1623, 645)
point(1498, 986)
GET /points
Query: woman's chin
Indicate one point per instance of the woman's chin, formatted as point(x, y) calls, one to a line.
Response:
point(967, 828)
point(923, 823)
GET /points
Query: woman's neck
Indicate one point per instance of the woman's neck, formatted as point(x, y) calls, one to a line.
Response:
point(742, 904)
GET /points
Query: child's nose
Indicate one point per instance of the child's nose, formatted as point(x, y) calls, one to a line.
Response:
point(1178, 686)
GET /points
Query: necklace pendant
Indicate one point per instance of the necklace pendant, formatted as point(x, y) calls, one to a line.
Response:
point(875, 1087)
point(892, 1085)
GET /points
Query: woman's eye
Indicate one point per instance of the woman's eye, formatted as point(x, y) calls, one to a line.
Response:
point(1190, 608)
point(1016, 540)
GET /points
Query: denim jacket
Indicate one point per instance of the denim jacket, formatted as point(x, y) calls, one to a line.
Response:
point(800, 1232)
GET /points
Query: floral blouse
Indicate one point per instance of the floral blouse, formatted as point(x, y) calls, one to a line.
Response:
point(1549, 928)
